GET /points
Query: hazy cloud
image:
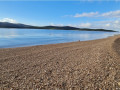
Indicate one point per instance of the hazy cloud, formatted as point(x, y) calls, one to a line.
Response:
point(110, 25)
point(85, 25)
point(52, 24)
point(91, 14)
point(8, 20)
point(111, 14)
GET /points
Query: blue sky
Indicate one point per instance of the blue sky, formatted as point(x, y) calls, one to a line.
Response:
point(85, 14)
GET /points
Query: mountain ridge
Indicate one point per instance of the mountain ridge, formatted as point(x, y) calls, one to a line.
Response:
point(23, 26)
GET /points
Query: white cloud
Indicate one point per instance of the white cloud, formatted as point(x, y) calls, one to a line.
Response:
point(85, 25)
point(110, 25)
point(117, 21)
point(81, 25)
point(115, 25)
point(91, 14)
point(8, 20)
point(111, 14)
point(107, 25)
point(52, 24)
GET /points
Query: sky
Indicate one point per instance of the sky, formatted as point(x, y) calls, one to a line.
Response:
point(79, 13)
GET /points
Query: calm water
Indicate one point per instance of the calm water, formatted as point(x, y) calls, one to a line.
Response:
point(28, 37)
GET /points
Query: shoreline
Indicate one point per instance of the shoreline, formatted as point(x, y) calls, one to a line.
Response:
point(54, 43)
point(92, 64)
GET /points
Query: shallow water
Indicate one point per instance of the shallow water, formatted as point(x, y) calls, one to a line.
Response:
point(28, 37)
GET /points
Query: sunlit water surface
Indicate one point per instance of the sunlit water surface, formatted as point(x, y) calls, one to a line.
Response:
point(28, 37)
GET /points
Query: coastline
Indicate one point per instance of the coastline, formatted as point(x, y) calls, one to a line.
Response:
point(27, 46)
point(78, 65)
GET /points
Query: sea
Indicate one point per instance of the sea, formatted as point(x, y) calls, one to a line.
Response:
point(11, 38)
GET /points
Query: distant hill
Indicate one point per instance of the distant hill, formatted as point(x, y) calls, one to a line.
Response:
point(13, 25)
point(18, 25)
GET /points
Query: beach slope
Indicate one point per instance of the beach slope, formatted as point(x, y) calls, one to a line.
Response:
point(86, 65)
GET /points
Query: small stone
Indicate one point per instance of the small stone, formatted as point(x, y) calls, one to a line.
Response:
point(119, 83)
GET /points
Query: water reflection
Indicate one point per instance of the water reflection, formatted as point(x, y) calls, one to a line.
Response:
point(28, 37)
point(11, 33)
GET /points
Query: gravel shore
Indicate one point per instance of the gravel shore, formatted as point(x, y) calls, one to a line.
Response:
point(82, 65)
